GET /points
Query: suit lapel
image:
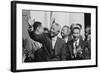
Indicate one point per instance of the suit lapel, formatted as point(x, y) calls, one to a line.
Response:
point(71, 48)
point(80, 42)
point(56, 45)
point(50, 45)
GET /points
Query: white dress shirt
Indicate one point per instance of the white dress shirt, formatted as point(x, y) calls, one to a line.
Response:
point(54, 41)
point(66, 39)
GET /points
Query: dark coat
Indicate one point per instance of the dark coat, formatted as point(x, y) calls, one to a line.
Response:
point(70, 47)
point(87, 51)
point(46, 53)
point(42, 54)
point(59, 52)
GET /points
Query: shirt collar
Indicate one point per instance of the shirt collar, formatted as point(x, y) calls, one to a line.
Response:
point(77, 41)
point(54, 38)
point(66, 39)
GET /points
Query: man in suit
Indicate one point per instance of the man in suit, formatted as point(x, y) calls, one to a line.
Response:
point(42, 54)
point(53, 47)
point(65, 33)
point(88, 42)
point(58, 50)
point(76, 45)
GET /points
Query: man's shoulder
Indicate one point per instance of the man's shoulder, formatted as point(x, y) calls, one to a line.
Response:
point(46, 35)
point(82, 42)
point(70, 42)
point(60, 40)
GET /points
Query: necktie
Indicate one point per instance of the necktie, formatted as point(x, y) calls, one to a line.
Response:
point(75, 49)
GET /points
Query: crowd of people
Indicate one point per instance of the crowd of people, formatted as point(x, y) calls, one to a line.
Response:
point(45, 45)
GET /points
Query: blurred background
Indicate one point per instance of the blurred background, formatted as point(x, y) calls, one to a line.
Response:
point(48, 17)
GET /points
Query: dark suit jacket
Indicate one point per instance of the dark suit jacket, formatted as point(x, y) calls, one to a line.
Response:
point(70, 47)
point(87, 51)
point(59, 50)
point(46, 53)
point(42, 54)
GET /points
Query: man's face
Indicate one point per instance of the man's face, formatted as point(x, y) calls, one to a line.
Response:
point(88, 32)
point(40, 29)
point(54, 30)
point(65, 31)
point(76, 34)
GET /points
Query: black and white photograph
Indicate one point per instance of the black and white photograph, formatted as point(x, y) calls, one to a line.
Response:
point(53, 36)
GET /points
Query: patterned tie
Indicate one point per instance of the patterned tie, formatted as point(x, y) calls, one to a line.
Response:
point(75, 49)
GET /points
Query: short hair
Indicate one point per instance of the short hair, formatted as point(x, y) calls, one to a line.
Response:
point(79, 25)
point(66, 26)
point(75, 28)
point(88, 26)
point(46, 29)
point(36, 25)
point(57, 25)
point(75, 25)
